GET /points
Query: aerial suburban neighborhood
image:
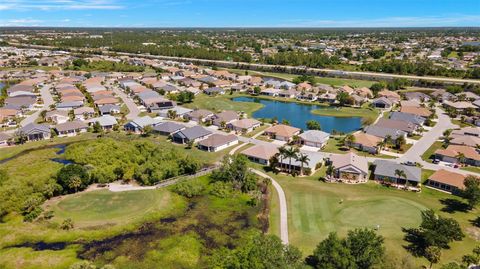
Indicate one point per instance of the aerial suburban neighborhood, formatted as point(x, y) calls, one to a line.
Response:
point(132, 147)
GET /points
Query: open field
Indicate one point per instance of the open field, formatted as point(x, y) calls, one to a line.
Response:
point(223, 102)
point(317, 208)
point(103, 207)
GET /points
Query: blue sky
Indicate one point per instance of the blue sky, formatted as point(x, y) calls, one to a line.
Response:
point(240, 13)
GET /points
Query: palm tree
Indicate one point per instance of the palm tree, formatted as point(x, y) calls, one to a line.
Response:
point(388, 140)
point(401, 174)
point(281, 154)
point(291, 153)
point(460, 157)
point(172, 114)
point(380, 145)
point(349, 140)
point(303, 159)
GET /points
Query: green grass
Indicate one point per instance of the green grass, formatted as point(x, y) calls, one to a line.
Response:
point(334, 145)
point(317, 208)
point(103, 207)
point(462, 124)
point(471, 169)
point(223, 102)
point(367, 114)
point(431, 150)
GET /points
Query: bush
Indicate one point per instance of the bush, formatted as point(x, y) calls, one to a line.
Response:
point(221, 189)
point(189, 188)
point(67, 224)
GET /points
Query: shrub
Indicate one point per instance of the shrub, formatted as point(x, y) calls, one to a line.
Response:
point(189, 188)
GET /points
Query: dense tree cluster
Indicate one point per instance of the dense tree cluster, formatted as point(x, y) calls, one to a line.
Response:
point(361, 249)
point(108, 160)
point(419, 68)
point(261, 252)
point(234, 169)
point(105, 66)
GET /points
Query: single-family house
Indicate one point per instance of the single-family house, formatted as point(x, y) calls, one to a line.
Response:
point(57, 116)
point(397, 174)
point(244, 126)
point(107, 122)
point(139, 123)
point(217, 142)
point(383, 103)
point(261, 153)
point(314, 138)
point(366, 142)
point(191, 135)
point(34, 132)
point(407, 117)
point(282, 132)
point(199, 115)
point(446, 181)
point(223, 118)
point(71, 128)
point(349, 167)
point(457, 154)
point(168, 128)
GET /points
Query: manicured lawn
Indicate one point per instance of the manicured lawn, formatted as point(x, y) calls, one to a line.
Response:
point(317, 208)
point(427, 155)
point(335, 145)
point(223, 102)
point(103, 207)
point(471, 169)
point(462, 124)
point(367, 114)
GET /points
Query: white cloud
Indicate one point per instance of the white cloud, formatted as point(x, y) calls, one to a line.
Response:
point(60, 5)
point(429, 21)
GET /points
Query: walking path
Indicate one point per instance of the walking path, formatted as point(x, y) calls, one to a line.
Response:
point(283, 206)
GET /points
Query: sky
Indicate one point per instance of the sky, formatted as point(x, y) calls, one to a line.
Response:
point(240, 13)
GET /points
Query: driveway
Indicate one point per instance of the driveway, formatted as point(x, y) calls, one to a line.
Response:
point(47, 101)
point(132, 107)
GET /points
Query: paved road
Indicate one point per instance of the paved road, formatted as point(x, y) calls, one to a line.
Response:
point(47, 101)
point(416, 151)
point(132, 107)
point(283, 206)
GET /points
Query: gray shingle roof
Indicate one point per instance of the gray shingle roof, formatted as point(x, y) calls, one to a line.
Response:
point(387, 168)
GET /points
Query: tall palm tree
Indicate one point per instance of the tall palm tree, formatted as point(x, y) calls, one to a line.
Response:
point(401, 174)
point(291, 153)
point(380, 145)
point(303, 159)
point(388, 140)
point(460, 157)
point(281, 154)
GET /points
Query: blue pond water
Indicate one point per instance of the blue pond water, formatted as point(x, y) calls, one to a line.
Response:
point(298, 114)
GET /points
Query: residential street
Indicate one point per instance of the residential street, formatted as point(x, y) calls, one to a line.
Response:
point(132, 107)
point(414, 154)
point(47, 101)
